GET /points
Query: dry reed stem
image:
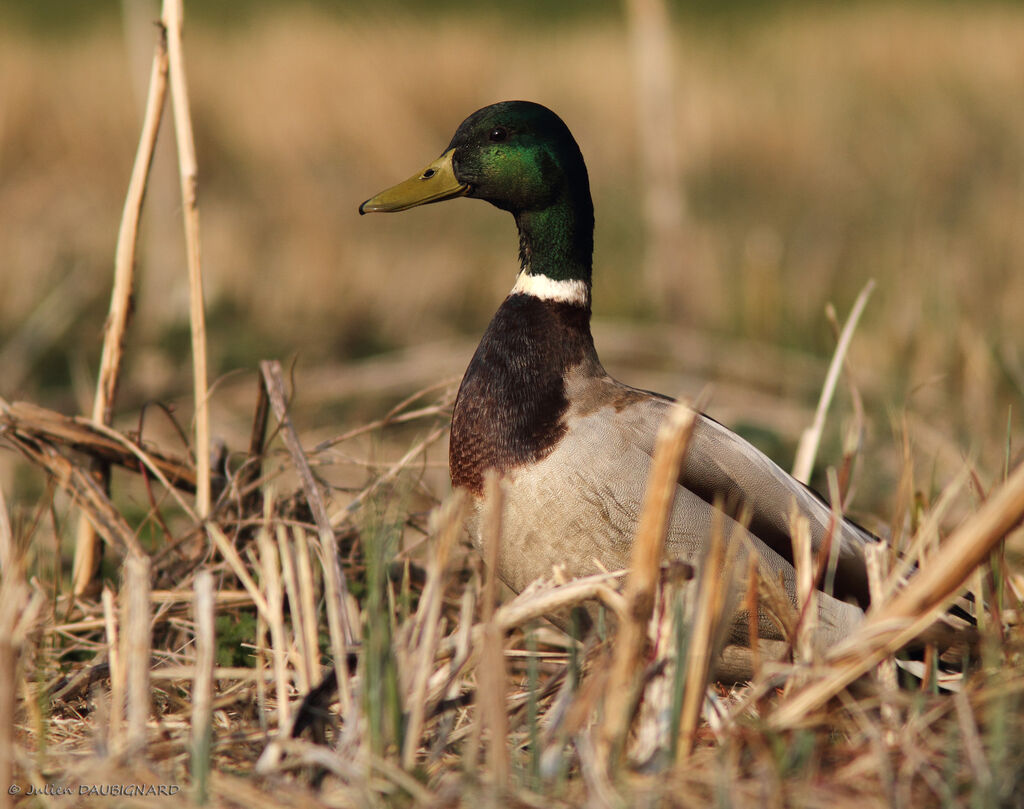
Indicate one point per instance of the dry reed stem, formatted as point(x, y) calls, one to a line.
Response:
point(465, 646)
point(262, 675)
point(86, 556)
point(7, 547)
point(927, 533)
point(341, 632)
point(202, 682)
point(8, 689)
point(552, 598)
point(491, 690)
point(223, 598)
point(136, 643)
point(286, 553)
point(309, 629)
point(241, 674)
point(828, 553)
point(249, 474)
point(30, 421)
point(853, 438)
point(807, 449)
point(271, 575)
point(448, 521)
point(115, 715)
point(773, 598)
point(701, 648)
point(14, 598)
point(876, 558)
point(806, 599)
point(274, 381)
point(172, 17)
point(917, 606)
point(644, 574)
point(303, 673)
point(238, 567)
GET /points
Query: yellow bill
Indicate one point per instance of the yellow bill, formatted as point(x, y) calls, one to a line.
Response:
point(435, 183)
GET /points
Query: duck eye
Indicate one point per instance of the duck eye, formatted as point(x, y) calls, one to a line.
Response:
point(498, 134)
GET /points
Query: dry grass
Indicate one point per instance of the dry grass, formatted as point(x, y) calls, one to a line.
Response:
point(820, 149)
point(115, 691)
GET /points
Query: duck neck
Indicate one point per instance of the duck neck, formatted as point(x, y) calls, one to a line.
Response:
point(558, 241)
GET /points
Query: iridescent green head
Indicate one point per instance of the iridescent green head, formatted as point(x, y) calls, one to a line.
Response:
point(522, 158)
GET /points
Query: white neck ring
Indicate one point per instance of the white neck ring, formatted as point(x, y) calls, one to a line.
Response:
point(572, 291)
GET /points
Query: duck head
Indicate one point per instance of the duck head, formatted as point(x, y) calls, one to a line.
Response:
point(522, 158)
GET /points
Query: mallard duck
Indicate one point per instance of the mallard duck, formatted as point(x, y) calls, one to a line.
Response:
point(572, 445)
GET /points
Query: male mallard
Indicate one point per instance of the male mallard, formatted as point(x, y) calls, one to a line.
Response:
point(572, 445)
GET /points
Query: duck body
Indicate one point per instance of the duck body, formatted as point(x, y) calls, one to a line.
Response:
point(574, 448)
point(572, 445)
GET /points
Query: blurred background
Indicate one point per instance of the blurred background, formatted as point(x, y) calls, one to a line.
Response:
point(750, 163)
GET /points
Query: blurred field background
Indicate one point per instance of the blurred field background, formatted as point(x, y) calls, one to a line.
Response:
point(819, 146)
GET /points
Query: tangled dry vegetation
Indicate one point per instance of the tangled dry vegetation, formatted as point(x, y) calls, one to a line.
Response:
point(233, 582)
point(188, 670)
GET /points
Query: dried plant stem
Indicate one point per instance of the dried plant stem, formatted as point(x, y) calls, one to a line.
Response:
point(127, 240)
point(262, 677)
point(644, 573)
point(100, 441)
point(237, 565)
point(8, 689)
point(271, 574)
point(448, 524)
point(876, 557)
point(530, 605)
point(342, 635)
point(710, 601)
point(250, 472)
point(172, 17)
point(807, 449)
point(307, 598)
point(806, 595)
point(916, 607)
point(115, 717)
point(926, 535)
point(6, 536)
point(86, 547)
point(303, 673)
point(202, 682)
point(13, 595)
point(967, 548)
point(136, 641)
point(491, 692)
